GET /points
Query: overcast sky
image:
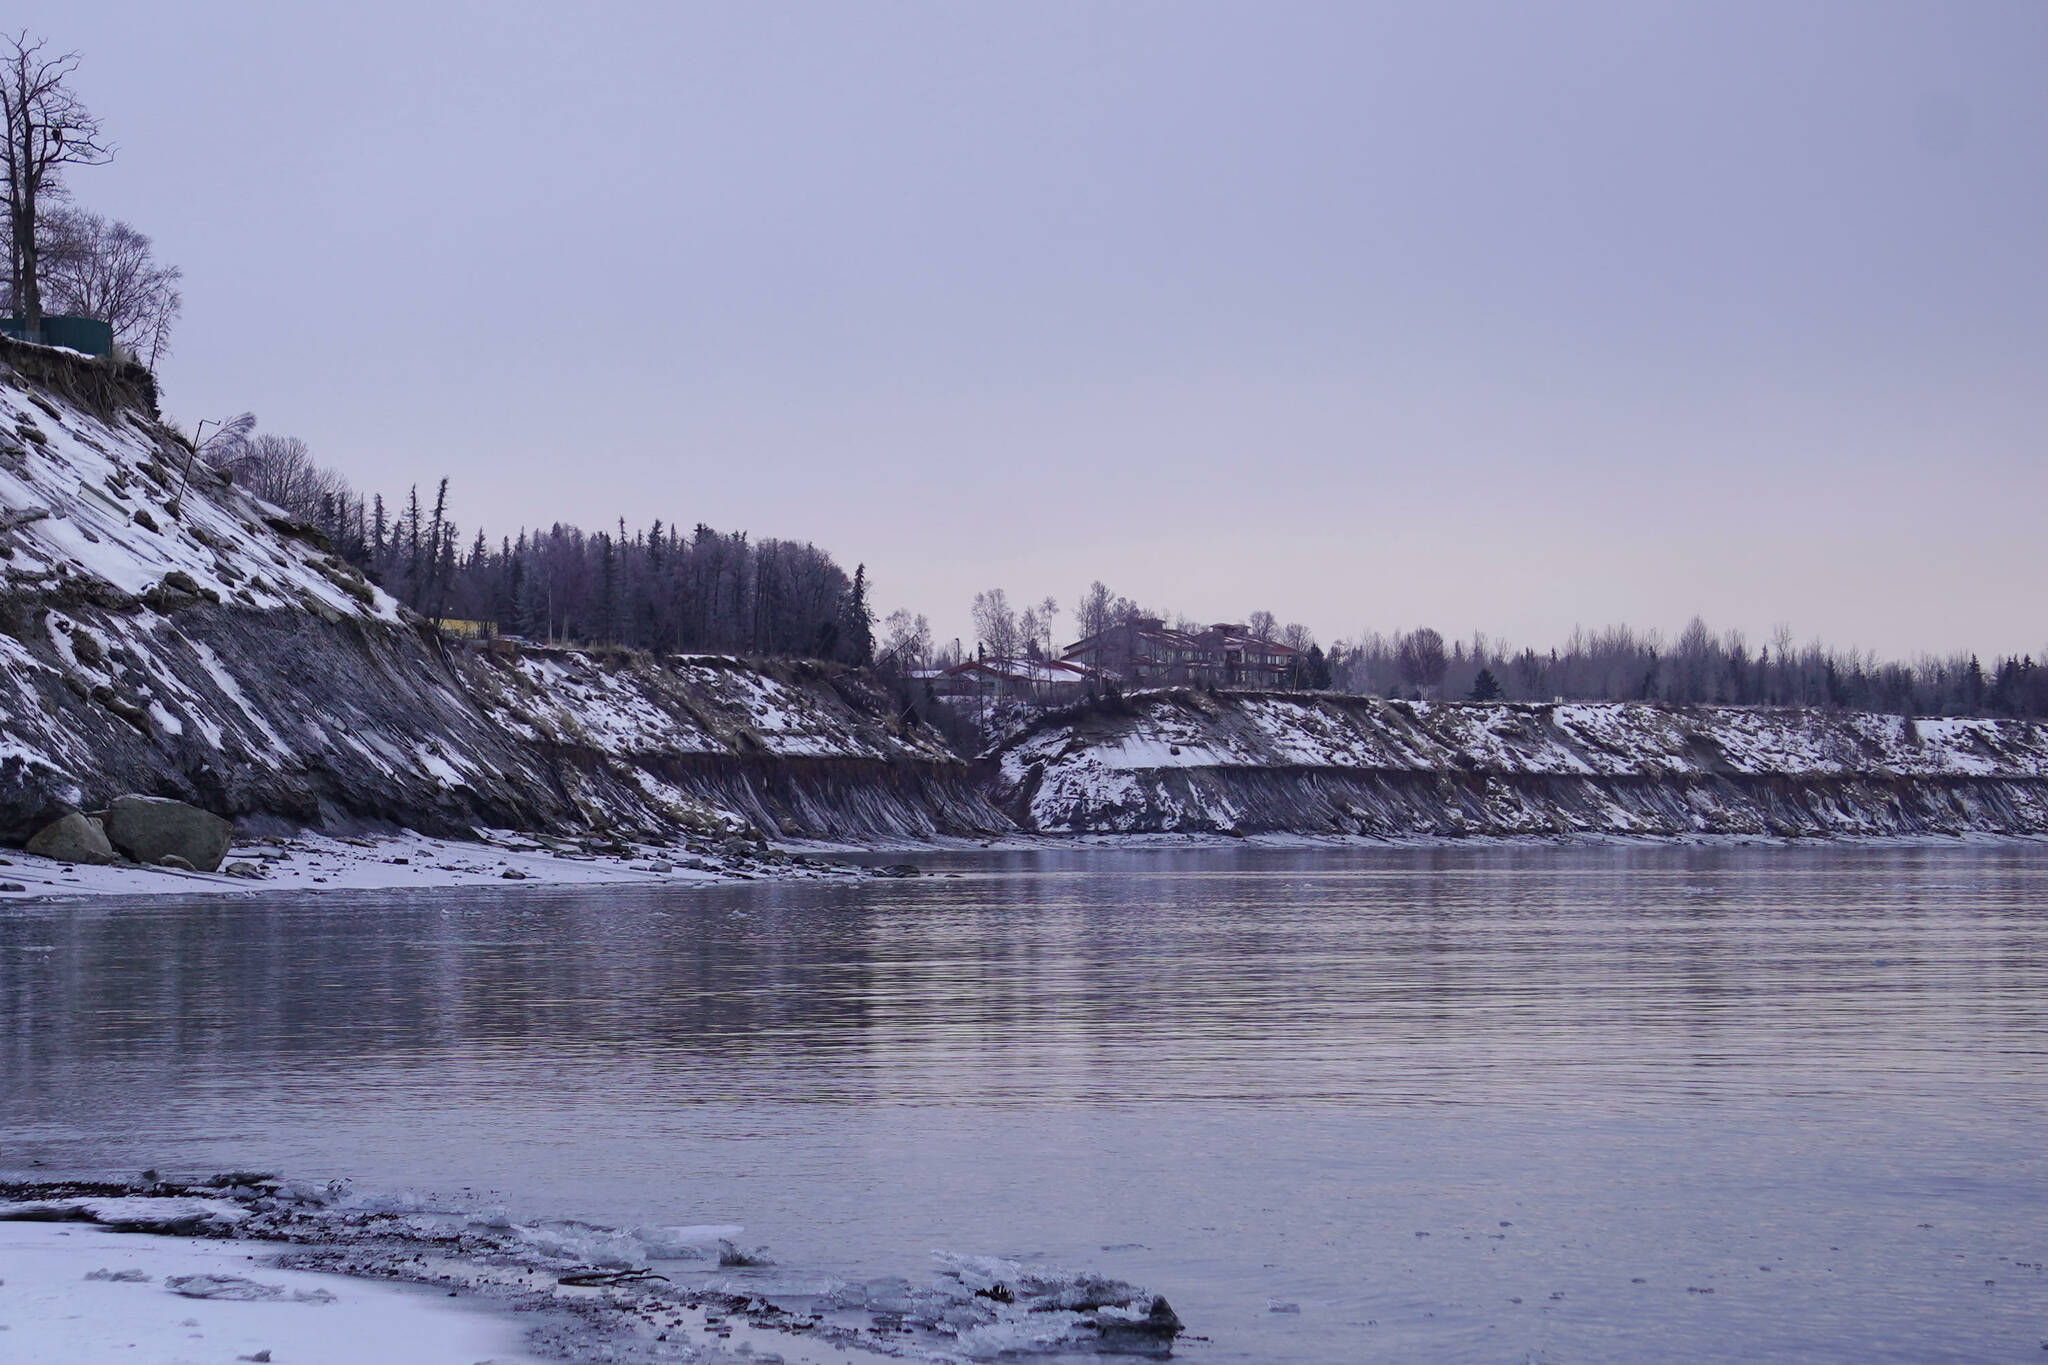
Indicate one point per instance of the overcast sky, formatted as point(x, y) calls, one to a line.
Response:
point(1508, 317)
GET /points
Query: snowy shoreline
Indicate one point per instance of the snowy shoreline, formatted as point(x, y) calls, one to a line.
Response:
point(307, 1274)
point(85, 1296)
point(320, 863)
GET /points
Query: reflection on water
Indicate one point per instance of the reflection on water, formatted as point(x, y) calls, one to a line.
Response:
point(1390, 1085)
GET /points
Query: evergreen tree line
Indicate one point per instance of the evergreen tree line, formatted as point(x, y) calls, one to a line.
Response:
point(654, 589)
point(1618, 664)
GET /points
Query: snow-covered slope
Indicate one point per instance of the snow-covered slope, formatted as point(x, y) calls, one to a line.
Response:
point(202, 647)
point(1317, 763)
point(91, 503)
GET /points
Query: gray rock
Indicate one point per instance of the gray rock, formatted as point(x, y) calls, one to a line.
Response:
point(12, 886)
point(900, 870)
point(246, 871)
point(730, 1255)
point(152, 828)
point(513, 874)
point(173, 861)
point(73, 839)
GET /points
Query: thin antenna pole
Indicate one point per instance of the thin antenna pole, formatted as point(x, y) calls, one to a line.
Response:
point(190, 456)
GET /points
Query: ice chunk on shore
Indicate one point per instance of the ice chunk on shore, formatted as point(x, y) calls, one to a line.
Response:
point(308, 1193)
point(133, 1213)
point(998, 1306)
point(585, 1244)
point(1038, 1287)
point(692, 1243)
point(1039, 1333)
point(383, 1202)
point(236, 1288)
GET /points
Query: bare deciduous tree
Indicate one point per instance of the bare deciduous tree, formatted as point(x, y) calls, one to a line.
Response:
point(281, 470)
point(47, 128)
point(1035, 628)
point(1693, 664)
point(906, 640)
point(1100, 609)
point(1421, 657)
point(995, 623)
point(106, 270)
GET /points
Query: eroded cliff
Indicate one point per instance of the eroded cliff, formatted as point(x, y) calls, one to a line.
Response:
point(1321, 764)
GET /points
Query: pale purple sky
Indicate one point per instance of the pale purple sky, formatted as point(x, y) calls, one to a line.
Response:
point(1505, 316)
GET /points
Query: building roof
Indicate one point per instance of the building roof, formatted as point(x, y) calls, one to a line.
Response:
point(1153, 637)
point(1039, 671)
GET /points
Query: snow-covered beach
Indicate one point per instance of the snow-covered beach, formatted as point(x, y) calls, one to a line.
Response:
point(82, 1295)
point(253, 1268)
point(309, 862)
point(316, 862)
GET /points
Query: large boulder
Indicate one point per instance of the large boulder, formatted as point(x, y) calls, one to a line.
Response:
point(150, 829)
point(73, 838)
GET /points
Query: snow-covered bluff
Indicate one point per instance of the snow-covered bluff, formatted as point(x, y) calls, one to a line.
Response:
point(216, 653)
point(1187, 761)
point(220, 655)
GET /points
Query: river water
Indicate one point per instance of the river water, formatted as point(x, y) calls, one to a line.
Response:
point(1461, 1104)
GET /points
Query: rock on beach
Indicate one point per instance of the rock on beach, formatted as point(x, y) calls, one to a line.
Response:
point(73, 838)
point(150, 829)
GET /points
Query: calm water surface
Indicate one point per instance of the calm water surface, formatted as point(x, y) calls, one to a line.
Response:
point(1560, 1104)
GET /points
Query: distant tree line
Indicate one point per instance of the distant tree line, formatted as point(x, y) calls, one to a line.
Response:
point(1613, 664)
point(1618, 664)
point(657, 588)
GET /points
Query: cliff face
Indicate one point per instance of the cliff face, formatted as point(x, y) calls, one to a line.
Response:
point(1319, 764)
point(187, 641)
point(787, 746)
point(202, 647)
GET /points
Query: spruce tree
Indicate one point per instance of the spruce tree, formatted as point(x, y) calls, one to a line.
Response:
point(1316, 671)
point(856, 635)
